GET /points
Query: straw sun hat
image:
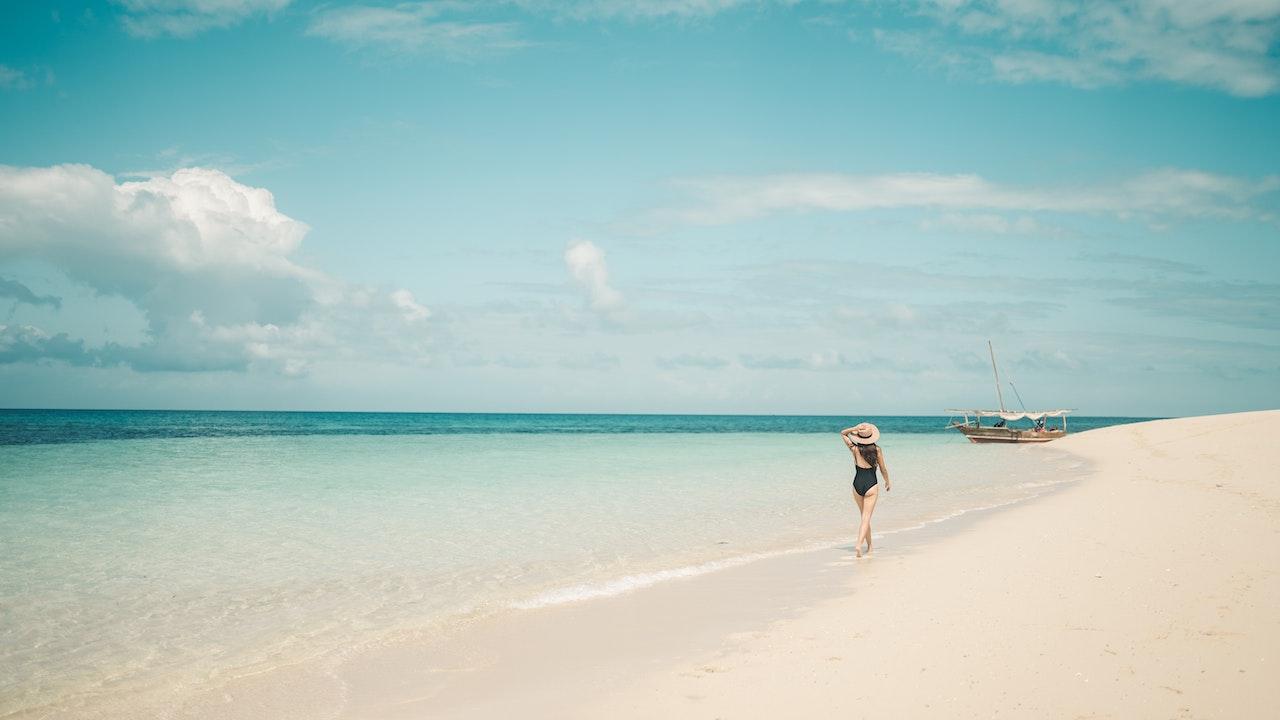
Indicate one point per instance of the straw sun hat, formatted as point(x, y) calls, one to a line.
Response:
point(864, 433)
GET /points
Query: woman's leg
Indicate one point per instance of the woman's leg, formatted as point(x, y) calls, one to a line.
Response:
point(868, 506)
point(857, 551)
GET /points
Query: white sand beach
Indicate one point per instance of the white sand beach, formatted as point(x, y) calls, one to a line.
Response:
point(1149, 588)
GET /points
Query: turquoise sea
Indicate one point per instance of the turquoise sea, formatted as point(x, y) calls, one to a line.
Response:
point(146, 550)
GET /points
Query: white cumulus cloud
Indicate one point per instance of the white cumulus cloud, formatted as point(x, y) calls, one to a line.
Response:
point(409, 307)
point(587, 266)
point(207, 261)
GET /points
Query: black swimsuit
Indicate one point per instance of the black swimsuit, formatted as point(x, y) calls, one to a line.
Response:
point(864, 479)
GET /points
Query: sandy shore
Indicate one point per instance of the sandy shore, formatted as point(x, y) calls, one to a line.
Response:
point(1150, 588)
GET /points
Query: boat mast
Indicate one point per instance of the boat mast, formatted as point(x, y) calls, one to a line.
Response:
point(999, 395)
point(1018, 395)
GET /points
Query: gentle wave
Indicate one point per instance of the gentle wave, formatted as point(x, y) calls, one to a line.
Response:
point(630, 583)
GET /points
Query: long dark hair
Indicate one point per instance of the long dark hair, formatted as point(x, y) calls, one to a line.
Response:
point(870, 452)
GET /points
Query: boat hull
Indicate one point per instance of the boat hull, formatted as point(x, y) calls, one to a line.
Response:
point(1008, 435)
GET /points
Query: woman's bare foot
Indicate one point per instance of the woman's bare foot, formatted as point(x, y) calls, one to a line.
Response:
point(857, 550)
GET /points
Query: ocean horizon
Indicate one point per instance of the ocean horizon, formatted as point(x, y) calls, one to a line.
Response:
point(54, 425)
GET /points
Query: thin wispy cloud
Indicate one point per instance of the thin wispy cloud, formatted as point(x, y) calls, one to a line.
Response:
point(1229, 47)
point(597, 361)
point(989, 224)
point(1169, 192)
point(1240, 304)
point(833, 361)
point(1047, 361)
point(1226, 46)
point(1143, 262)
point(818, 361)
point(635, 9)
point(1179, 290)
point(688, 360)
point(14, 78)
point(185, 18)
point(444, 29)
point(961, 317)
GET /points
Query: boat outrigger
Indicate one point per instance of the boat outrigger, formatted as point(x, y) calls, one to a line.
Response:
point(1000, 431)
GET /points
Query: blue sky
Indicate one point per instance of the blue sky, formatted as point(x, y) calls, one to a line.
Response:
point(651, 206)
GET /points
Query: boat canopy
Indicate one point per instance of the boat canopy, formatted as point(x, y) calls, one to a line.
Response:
point(1011, 416)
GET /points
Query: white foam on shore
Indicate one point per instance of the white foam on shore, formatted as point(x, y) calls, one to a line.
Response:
point(630, 583)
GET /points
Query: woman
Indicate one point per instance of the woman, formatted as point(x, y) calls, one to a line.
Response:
point(861, 441)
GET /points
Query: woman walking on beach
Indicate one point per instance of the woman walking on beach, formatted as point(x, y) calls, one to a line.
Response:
point(861, 441)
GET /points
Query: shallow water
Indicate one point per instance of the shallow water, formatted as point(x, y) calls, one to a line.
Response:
point(205, 543)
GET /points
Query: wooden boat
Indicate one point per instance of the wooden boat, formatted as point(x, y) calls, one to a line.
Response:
point(1001, 431)
point(1040, 431)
